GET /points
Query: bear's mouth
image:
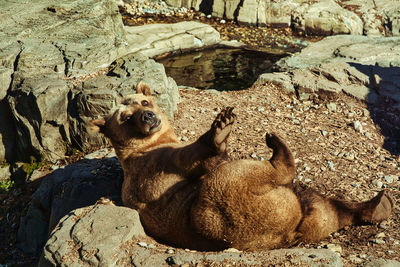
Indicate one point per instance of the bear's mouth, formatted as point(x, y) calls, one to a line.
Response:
point(155, 124)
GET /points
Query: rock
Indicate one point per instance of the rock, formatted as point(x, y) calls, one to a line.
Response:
point(326, 17)
point(155, 39)
point(43, 102)
point(390, 178)
point(357, 126)
point(312, 17)
point(364, 67)
point(383, 263)
point(335, 248)
point(282, 80)
point(75, 186)
point(5, 173)
point(91, 236)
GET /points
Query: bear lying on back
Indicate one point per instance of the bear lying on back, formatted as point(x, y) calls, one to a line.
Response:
point(190, 196)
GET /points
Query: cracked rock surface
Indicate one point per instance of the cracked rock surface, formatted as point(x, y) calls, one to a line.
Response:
point(52, 53)
point(324, 17)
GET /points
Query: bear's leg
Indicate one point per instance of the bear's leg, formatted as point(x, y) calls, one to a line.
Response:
point(282, 159)
point(322, 216)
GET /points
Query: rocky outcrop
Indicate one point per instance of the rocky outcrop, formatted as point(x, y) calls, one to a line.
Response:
point(322, 17)
point(65, 189)
point(54, 55)
point(364, 67)
point(93, 236)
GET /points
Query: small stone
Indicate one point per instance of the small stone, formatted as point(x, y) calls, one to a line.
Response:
point(380, 235)
point(390, 178)
point(355, 259)
point(331, 107)
point(223, 21)
point(383, 225)
point(366, 113)
point(54, 167)
point(192, 132)
point(377, 183)
point(312, 256)
point(209, 16)
point(307, 180)
point(378, 241)
point(324, 133)
point(334, 248)
point(234, 250)
point(142, 244)
point(170, 251)
point(357, 126)
point(331, 165)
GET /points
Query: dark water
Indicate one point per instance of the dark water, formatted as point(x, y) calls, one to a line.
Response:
point(219, 68)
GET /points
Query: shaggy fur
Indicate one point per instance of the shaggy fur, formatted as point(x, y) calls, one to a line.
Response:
point(191, 196)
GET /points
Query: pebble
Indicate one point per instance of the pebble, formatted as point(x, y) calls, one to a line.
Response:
point(331, 165)
point(357, 126)
point(324, 133)
point(170, 251)
point(356, 259)
point(223, 21)
point(183, 138)
point(377, 183)
point(142, 244)
point(390, 178)
point(380, 235)
point(307, 180)
point(209, 16)
point(378, 241)
point(334, 248)
point(234, 250)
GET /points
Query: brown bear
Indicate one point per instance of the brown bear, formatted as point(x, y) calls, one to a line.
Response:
point(192, 196)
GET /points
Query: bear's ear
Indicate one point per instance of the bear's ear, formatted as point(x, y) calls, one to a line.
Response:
point(143, 88)
point(97, 125)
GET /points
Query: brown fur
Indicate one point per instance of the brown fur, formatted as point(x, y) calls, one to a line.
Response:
point(192, 197)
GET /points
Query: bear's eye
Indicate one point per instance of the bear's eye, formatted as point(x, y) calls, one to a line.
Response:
point(145, 103)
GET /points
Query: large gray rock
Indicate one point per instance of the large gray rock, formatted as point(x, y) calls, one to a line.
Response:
point(74, 186)
point(48, 49)
point(321, 17)
point(92, 236)
point(364, 67)
point(326, 17)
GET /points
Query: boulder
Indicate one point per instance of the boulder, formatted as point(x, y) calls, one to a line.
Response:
point(53, 59)
point(65, 189)
point(156, 39)
point(92, 236)
point(321, 17)
point(326, 17)
point(361, 66)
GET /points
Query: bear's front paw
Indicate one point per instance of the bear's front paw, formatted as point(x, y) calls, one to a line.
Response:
point(221, 128)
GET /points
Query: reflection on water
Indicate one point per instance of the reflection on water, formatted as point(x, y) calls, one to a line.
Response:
point(220, 69)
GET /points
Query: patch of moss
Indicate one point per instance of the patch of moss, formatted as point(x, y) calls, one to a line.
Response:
point(6, 185)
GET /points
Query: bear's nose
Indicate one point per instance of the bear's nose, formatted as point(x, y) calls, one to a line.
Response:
point(147, 116)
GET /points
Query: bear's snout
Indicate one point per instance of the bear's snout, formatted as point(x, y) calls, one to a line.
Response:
point(148, 117)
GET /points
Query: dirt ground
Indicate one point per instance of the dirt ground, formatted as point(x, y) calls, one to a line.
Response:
point(331, 156)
